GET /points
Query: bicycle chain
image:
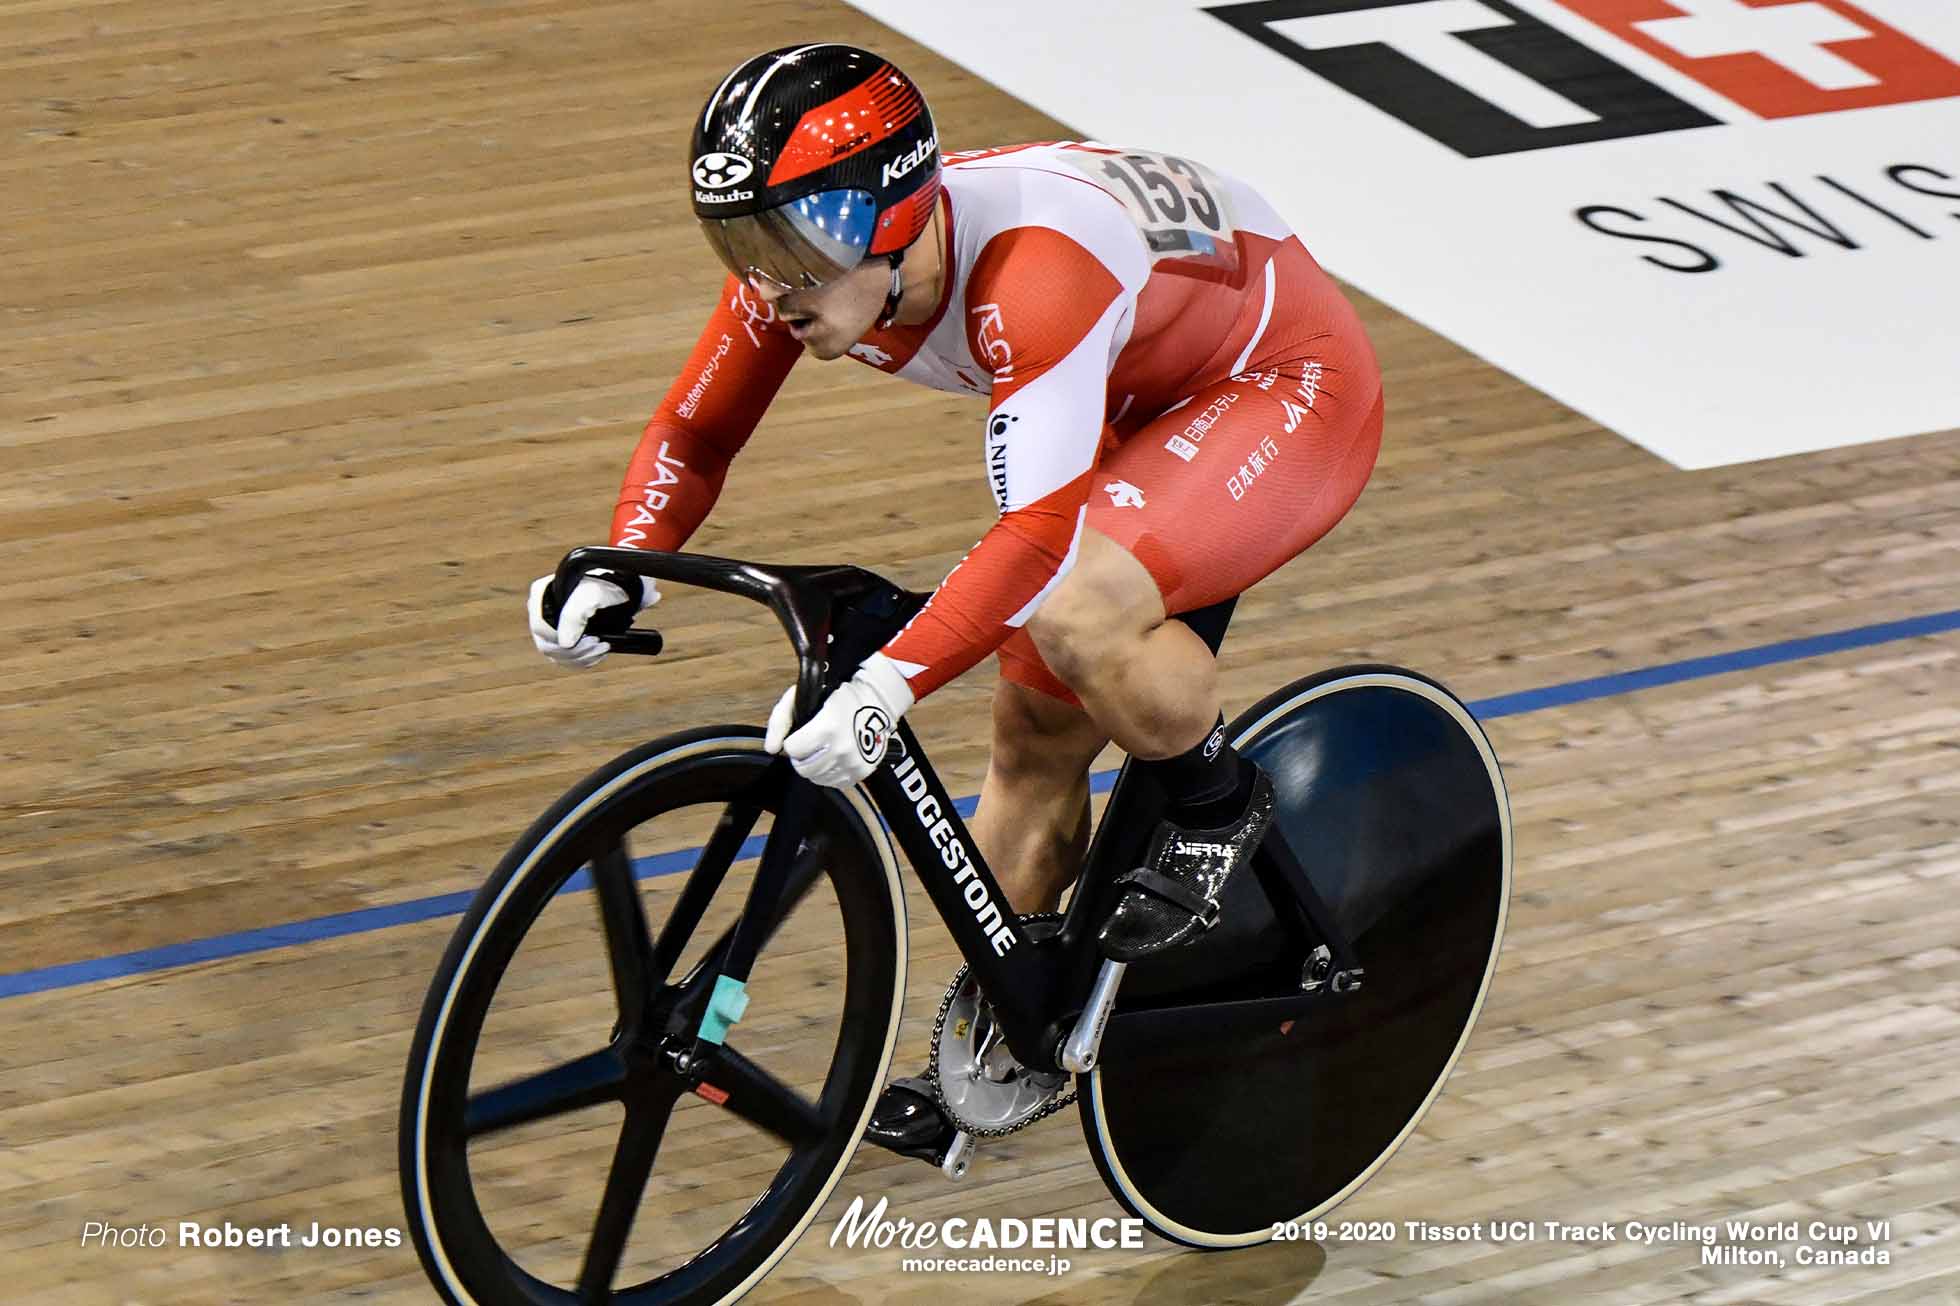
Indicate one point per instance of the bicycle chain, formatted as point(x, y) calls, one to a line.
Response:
point(1042, 1112)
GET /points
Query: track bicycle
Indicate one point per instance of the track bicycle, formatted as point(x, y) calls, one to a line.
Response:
point(1255, 1076)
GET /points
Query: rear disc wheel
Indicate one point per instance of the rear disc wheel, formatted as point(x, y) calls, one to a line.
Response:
point(1391, 798)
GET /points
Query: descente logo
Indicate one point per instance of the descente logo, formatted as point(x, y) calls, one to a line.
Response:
point(911, 159)
point(952, 852)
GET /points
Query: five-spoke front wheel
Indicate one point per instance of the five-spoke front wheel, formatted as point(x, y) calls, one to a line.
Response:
point(558, 1078)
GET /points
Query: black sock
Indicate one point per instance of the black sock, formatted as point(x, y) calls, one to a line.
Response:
point(1206, 785)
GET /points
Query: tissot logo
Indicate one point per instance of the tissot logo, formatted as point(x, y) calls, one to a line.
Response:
point(1484, 77)
point(1480, 76)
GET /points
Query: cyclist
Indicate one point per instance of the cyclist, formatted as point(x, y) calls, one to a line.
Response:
point(1179, 400)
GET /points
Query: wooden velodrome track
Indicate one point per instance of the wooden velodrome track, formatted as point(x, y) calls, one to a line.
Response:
point(325, 327)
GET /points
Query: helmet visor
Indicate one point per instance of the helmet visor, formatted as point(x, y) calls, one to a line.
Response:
point(803, 243)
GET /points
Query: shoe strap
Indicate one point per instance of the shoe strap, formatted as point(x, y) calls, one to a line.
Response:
point(1171, 891)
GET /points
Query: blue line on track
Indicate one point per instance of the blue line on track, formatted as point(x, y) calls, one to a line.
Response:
point(1671, 673)
point(367, 919)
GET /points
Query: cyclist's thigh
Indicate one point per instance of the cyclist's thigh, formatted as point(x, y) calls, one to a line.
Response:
point(1021, 664)
point(1038, 731)
point(1106, 597)
point(1220, 492)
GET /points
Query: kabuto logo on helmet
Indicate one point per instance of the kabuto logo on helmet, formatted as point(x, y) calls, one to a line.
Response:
point(911, 159)
point(832, 156)
point(718, 170)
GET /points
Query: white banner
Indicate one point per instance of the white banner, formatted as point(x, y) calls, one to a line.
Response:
point(1726, 229)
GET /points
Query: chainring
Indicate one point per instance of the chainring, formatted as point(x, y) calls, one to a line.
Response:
point(977, 1082)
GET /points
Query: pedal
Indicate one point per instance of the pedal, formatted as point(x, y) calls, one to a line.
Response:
point(959, 1156)
point(909, 1121)
point(1085, 1040)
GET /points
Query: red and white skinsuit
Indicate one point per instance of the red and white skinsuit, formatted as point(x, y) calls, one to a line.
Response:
point(1162, 361)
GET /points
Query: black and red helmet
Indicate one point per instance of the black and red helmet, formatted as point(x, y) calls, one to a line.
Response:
point(809, 159)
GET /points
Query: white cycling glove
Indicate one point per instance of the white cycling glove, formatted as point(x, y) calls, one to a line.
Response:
point(845, 741)
point(566, 643)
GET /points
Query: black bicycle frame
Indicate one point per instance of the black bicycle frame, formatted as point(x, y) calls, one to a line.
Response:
point(1025, 981)
point(1036, 987)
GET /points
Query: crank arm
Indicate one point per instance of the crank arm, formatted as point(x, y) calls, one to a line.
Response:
point(1080, 1049)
